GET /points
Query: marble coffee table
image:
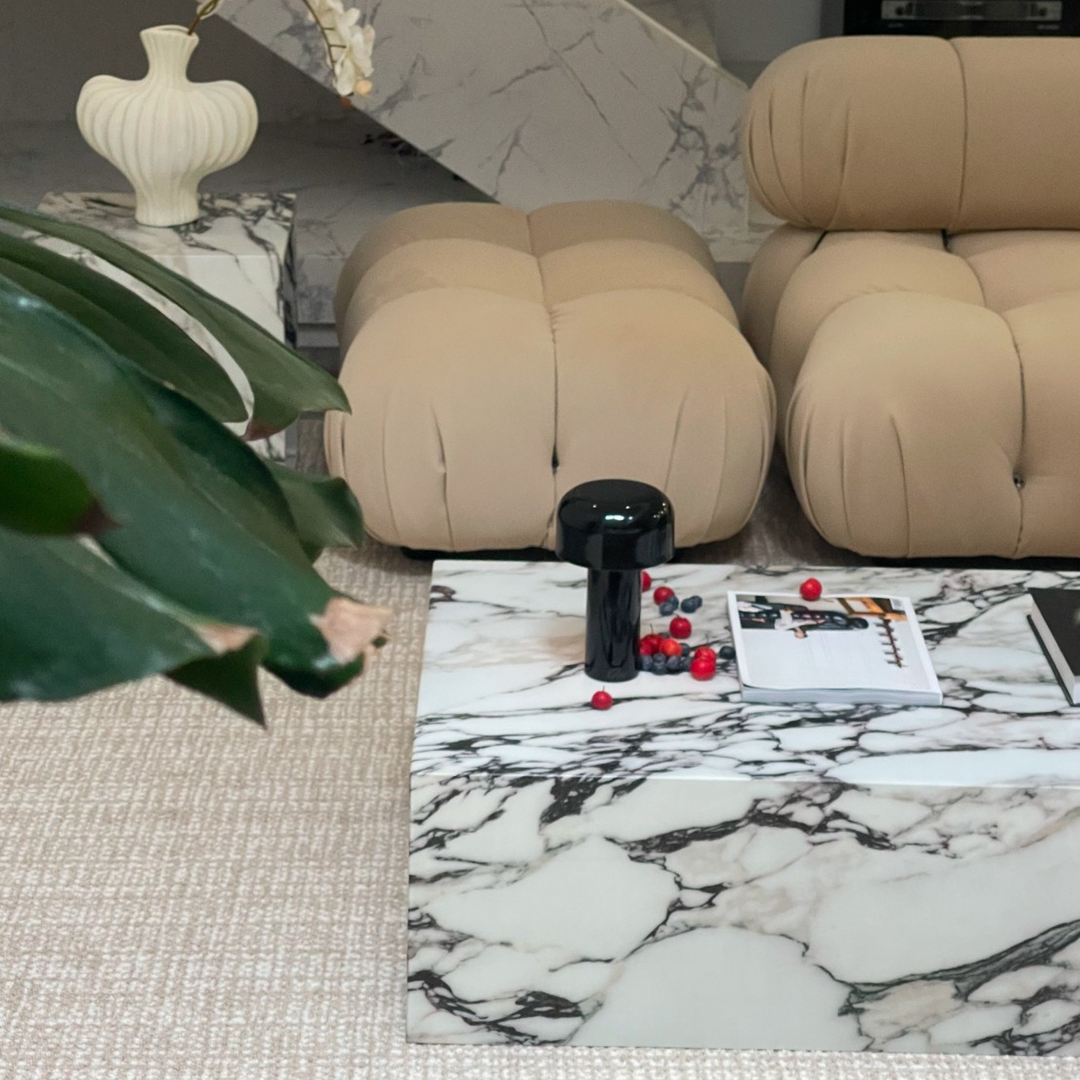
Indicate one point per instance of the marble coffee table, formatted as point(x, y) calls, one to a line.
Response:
point(689, 870)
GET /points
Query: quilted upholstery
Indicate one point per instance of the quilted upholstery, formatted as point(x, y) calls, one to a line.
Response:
point(919, 133)
point(929, 387)
point(920, 314)
point(494, 359)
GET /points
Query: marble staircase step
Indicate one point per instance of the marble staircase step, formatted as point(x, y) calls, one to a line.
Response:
point(536, 102)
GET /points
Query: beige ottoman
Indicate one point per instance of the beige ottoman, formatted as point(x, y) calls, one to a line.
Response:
point(920, 312)
point(495, 359)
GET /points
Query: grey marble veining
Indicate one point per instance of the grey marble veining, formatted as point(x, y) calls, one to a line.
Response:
point(239, 250)
point(535, 102)
point(689, 870)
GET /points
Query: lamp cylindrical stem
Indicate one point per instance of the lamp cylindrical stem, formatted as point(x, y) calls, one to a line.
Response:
point(612, 625)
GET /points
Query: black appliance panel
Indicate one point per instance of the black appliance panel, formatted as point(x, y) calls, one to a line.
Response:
point(959, 18)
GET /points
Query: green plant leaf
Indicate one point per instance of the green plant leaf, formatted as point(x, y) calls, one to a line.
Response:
point(284, 383)
point(42, 493)
point(73, 623)
point(325, 510)
point(126, 322)
point(232, 678)
point(203, 522)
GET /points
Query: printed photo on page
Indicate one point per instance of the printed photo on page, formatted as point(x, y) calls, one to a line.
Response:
point(840, 648)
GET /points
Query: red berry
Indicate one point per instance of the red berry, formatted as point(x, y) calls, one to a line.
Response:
point(646, 647)
point(680, 627)
point(810, 589)
point(653, 640)
point(601, 700)
point(670, 647)
point(646, 581)
point(705, 653)
point(702, 669)
point(662, 594)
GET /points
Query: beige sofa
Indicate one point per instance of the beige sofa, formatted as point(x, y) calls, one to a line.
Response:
point(495, 359)
point(920, 313)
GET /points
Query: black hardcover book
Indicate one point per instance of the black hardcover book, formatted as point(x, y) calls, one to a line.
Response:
point(1055, 617)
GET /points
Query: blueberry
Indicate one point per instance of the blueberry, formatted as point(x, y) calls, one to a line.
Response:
point(674, 663)
point(685, 649)
point(726, 652)
point(658, 662)
point(642, 663)
point(668, 608)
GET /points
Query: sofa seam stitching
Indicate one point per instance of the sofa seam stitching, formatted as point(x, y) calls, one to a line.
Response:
point(1023, 434)
point(555, 464)
point(904, 479)
point(964, 141)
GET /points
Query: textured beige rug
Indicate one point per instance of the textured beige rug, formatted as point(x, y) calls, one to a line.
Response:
point(183, 895)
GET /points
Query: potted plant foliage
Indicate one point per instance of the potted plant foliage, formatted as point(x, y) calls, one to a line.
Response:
point(138, 535)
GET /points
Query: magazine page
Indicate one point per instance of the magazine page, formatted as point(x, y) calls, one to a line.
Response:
point(837, 642)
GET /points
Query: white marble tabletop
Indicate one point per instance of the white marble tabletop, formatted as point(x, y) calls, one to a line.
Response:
point(503, 689)
point(688, 870)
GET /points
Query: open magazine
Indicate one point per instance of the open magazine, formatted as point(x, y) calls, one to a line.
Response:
point(845, 649)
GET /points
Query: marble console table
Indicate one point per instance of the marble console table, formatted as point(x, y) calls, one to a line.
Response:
point(240, 250)
point(689, 870)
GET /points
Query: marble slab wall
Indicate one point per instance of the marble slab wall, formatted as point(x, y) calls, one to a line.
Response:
point(536, 102)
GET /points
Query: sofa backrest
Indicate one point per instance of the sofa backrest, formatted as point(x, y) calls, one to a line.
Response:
point(919, 133)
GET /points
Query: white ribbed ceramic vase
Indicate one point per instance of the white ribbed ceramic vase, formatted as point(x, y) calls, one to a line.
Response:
point(164, 132)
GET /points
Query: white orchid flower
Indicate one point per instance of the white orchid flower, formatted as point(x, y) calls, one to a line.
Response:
point(349, 45)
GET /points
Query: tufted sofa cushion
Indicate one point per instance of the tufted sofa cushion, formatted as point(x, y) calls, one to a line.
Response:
point(494, 359)
point(920, 312)
point(919, 133)
point(929, 386)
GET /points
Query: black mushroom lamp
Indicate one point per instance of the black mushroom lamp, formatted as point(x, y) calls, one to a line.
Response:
point(615, 528)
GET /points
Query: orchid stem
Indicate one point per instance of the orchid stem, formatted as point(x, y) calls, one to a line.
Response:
point(210, 6)
point(322, 30)
point(204, 12)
